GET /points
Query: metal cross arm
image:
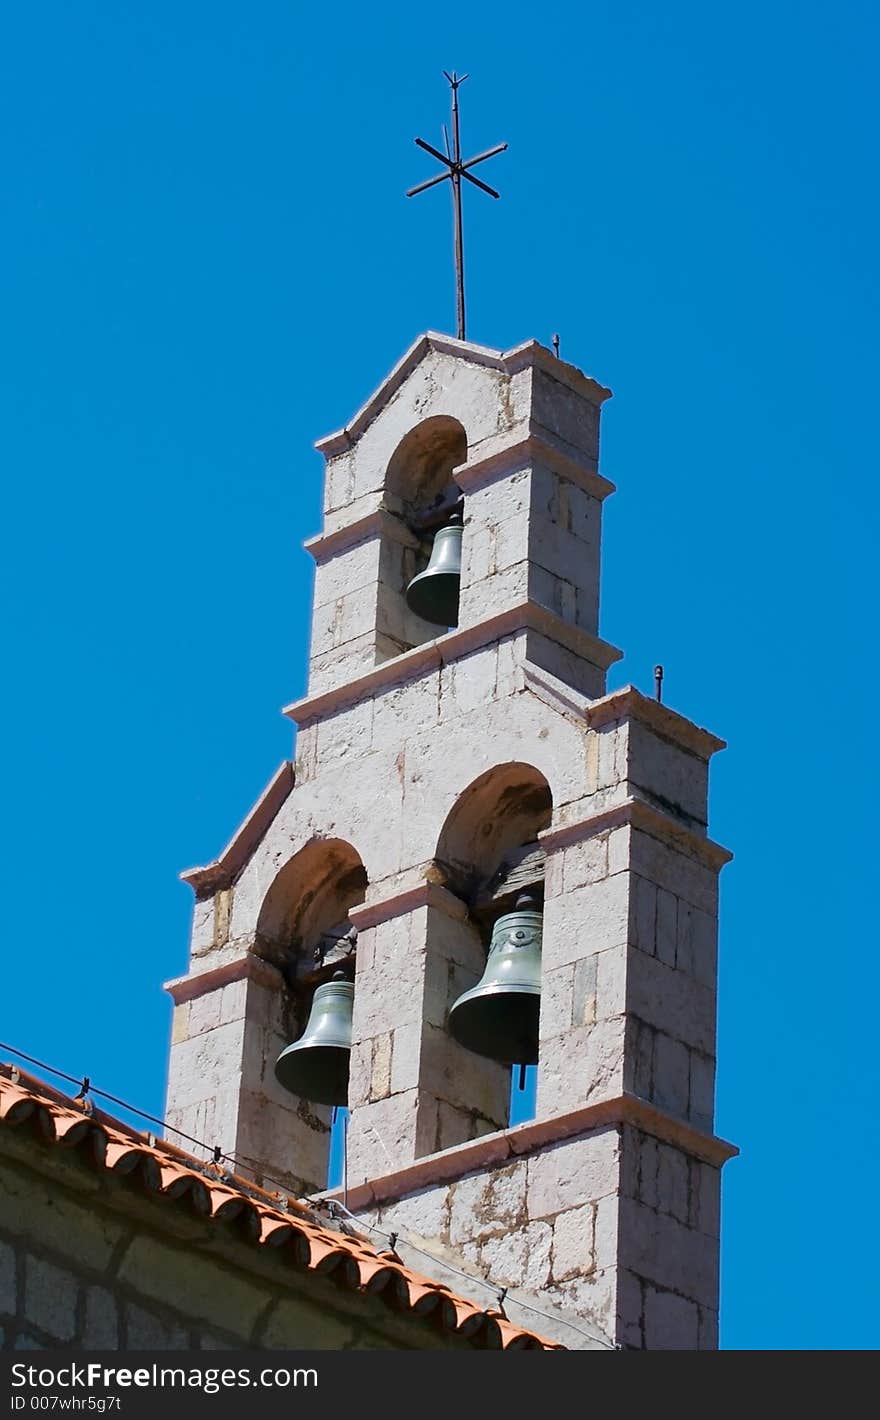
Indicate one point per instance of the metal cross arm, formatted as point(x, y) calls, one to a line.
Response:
point(455, 170)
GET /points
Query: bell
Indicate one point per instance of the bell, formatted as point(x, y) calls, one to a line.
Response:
point(499, 1016)
point(433, 594)
point(315, 1067)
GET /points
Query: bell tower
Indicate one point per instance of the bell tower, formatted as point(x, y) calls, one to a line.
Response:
point(459, 765)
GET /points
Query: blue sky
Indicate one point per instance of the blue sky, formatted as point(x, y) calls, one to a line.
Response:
point(206, 262)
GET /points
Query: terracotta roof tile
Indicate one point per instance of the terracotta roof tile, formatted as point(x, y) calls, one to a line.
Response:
point(264, 1220)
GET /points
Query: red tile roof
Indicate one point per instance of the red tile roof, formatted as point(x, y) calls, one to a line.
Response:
point(262, 1219)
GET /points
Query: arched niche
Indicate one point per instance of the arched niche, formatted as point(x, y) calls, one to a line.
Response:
point(500, 812)
point(419, 474)
point(421, 493)
point(488, 838)
point(310, 897)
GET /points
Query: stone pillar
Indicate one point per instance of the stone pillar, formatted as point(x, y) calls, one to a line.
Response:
point(413, 1089)
point(230, 1024)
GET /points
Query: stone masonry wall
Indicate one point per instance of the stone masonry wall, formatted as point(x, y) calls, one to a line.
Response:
point(615, 1227)
point(91, 1267)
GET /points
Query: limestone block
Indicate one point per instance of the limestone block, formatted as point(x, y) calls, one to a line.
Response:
point(670, 1001)
point(145, 1331)
point(644, 916)
point(477, 550)
point(101, 1321)
point(343, 663)
point(584, 1002)
point(668, 772)
point(611, 982)
point(564, 553)
point(380, 1074)
point(49, 1218)
point(294, 1324)
point(405, 1058)
point(338, 479)
point(401, 710)
point(494, 594)
point(565, 414)
point(671, 1322)
point(557, 994)
point(350, 571)
point(210, 1293)
point(702, 1089)
point(574, 1242)
point(565, 665)
point(607, 1244)
point(585, 1066)
point(7, 1280)
point(573, 1172)
point(50, 1295)
point(667, 1253)
point(201, 1065)
point(520, 1258)
point(673, 1182)
point(233, 1002)
point(468, 683)
point(697, 944)
point(424, 1213)
point(707, 1197)
point(677, 872)
point(204, 1012)
point(511, 539)
point(587, 920)
point(382, 1137)
point(483, 1205)
point(360, 1072)
point(202, 935)
point(671, 1074)
point(666, 939)
point(585, 862)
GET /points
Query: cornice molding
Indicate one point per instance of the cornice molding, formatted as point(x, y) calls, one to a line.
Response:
point(510, 1144)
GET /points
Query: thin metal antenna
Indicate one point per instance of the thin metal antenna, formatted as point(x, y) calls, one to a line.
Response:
point(455, 171)
point(658, 683)
point(556, 346)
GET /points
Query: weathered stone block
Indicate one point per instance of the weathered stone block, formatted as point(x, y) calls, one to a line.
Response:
point(574, 1242)
point(572, 1173)
point(101, 1323)
point(217, 1295)
point(50, 1294)
point(671, 1001)
point(671, 1074)
point(672, 1323)
point(7, 1280)
point(145, 1331)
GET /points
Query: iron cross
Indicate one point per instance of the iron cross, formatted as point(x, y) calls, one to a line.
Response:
point(455, 171)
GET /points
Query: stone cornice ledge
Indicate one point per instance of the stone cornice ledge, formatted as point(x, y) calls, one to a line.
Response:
point(530, 444)
point(510, 1144)
point(637, 813)
point(249, 966)
point(629, 703)
point(378, 523)
point(241, 845)
point(526, 616)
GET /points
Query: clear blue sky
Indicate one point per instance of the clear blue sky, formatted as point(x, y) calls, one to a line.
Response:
point(207, 262)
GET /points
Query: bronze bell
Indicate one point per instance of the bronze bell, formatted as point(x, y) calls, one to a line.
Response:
point(433, 594)
point(315, 1067)
point(499, 1016)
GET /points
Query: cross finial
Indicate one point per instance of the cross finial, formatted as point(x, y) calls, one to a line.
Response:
point(455, 171)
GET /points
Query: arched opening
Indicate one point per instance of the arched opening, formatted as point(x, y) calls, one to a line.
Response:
point(489, 856)
point(421, 493)
point(304, 928)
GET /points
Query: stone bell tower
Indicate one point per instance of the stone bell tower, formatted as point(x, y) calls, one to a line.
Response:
point(440, 772)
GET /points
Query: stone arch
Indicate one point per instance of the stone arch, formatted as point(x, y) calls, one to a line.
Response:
point(502, 810)
point(310, 896)
point(419, 473)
